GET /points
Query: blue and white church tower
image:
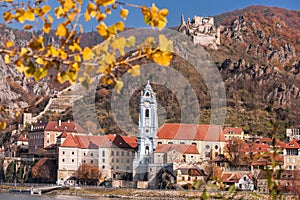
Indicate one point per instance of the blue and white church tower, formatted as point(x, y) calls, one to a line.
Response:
point(148, 124)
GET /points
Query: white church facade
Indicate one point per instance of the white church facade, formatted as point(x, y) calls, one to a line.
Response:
point(160, 148)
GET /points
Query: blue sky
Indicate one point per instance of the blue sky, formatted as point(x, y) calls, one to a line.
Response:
point(189, 8)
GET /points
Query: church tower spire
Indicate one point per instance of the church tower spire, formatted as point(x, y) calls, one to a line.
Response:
point(148, 125)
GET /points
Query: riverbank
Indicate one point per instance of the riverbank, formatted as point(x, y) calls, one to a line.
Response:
point(123, 193)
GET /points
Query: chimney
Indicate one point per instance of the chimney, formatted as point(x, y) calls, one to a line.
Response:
point(59, 122)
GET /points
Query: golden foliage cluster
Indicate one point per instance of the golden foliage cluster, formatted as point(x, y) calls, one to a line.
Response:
point(36, 58)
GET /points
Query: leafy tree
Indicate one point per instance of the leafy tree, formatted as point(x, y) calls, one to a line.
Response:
point(88, 174)
point(234, 152)
point(36, 58)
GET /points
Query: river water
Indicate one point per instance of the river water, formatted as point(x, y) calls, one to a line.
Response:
point(13, 196)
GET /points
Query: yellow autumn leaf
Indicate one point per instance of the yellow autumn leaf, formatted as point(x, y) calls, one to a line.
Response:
point(119, 44)
point(165, 44)
point(9, 44)
point(29, 15)
point(53, 51)
point(23, 51)
point(130, 41)
point(61, 30)
point(47, 27)
point(27, 27)
point(2, 125)
point(164, 12)
point(68, 4)
point(7, 16)
point(102, 29)
point(6, 59)
point(119, 86)
point(108, 11)
point(100, 17)
point(135, 70)
point(120, 26)
point(59, 11)
point(39, 61)
point(124, 13)
point(46, 8)
point(87, 16)
point(87, 54)
point(162, 58)
point(50, 18)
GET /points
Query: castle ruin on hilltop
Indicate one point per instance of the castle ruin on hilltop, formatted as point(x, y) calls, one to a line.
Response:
point(202, 31)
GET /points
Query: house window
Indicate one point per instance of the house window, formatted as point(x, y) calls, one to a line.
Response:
point(294, 160)
point(117, 160)
point(207, 146)
point(83, 161)
point(103, 153)
point(183, 178)
point(103, 167)
point(128, 161)
point(194, 143)
point(122, 153)
point(84, 154)
point(182, 143)
point(103, 160)
point(147, 113)
point(63, 153)
point(128, 153)
point(92, 154)
point(170, 142)
point(159, 143)
point(216, 147)
point(117, 153)
point(288, 160)
point(112, 153)
point(72, 152)
point(72, 160)
point(112, 160)
point(92, 161)
point(63, 160)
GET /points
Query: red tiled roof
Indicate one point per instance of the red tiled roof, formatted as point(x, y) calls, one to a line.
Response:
point(94, 142)
point(64, 126)
point(63, 135)
point(202, 132)
point(294, 144)
point(233, 130)
point(181, 148)
point(22, 138)
point(69, 142)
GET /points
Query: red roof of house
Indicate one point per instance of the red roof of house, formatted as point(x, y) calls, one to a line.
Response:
point(233, 130)
point(232, 177)
point(63, 135)
point(94, 142)
point(181, 148)
point(202, 132)
point(22, 138)
point(294, 144)
point(64, 126)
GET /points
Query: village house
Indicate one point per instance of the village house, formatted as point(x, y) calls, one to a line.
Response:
point(288, 181)
point(112, 154)
point(169, 153)
point(293, 133)
point(208, 139)
point(189, 175)
point(240, 180)
point(234, 133)
point(291, 155)
point(43, 135)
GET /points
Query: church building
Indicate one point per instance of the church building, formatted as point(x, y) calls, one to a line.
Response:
point(172, 143)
